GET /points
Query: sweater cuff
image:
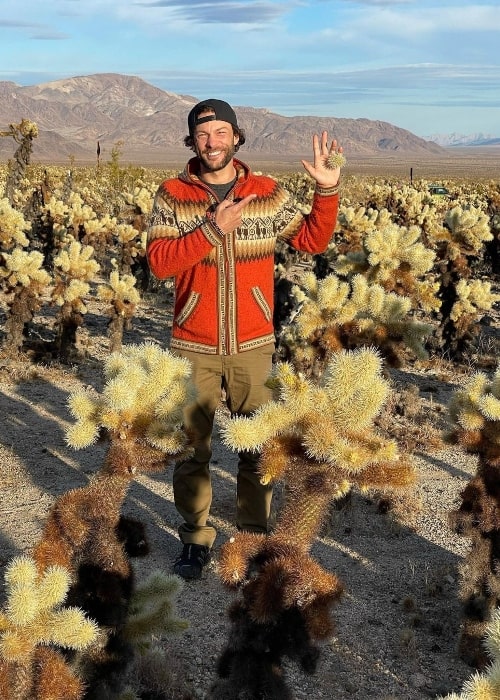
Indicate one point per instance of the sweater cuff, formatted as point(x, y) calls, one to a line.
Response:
point(327, 191)
point(212, 232)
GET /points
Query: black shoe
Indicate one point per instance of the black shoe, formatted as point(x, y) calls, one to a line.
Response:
point(192, 560)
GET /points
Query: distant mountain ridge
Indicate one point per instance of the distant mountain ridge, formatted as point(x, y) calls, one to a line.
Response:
point(73, 114)
point(454, 139)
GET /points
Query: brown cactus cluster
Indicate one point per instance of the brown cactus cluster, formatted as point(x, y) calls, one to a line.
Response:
point(475, 412)
point(319, 440)
point(87, 542)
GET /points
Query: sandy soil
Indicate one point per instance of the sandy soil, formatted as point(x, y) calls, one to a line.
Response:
point(398, 624)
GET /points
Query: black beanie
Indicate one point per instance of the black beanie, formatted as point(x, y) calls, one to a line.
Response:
point(222, 111)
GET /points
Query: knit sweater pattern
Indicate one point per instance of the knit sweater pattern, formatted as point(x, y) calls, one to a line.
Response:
point(224, 283)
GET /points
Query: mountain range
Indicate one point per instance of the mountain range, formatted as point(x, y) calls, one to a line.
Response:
point(148, 124)
point(454, 139)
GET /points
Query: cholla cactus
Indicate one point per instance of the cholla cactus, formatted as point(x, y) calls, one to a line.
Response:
point(319, 440)
point(74, 267)
point(356, 219)
point(32, 623)
point(129, 242)
point(24, 280)
point(98, 233)
point(80, 215)
point(469, 229)
point(74, 219)
point(462, 303)
point(485, 685)
point(55, 215)
point(475, 412)
point(141, 198)
point(119, 671)
point(124, 297)
point(352, 224)
point(142, 402)
point(472, 297)
point(12, 227)
point(394, 257)
point(338, 315)
point(140, 411)
point(152, 610)
point(331, 421)
point(335, 160)
point(23, 133)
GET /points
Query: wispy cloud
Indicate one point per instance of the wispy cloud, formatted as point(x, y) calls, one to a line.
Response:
point(17, 24)
point(328, 92)
point(224, 11)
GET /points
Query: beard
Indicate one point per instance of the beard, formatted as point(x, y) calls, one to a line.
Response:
point(226, 157)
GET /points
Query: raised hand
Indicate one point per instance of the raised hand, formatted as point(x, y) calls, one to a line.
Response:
point(321, 170)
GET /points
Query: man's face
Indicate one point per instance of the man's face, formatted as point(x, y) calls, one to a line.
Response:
point(214, 143)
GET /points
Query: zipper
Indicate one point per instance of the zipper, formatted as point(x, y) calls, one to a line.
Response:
point(224, 269)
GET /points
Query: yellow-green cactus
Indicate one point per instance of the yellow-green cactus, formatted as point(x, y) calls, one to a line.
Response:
point(33, 624)
point(318, 439)
point(24, 268)
point(76, 261)
point(24, 279)
point(141, 197)
point(332, 420)
point(392, 256)
point(12, 227)
point(475, 411)
point(120, 290)
point(33, 614)
point(469, 227)
point(473, 296)
point(336, 315)
point(336, 160)
point(143, 399)
point(357, 219)
point(74, 267)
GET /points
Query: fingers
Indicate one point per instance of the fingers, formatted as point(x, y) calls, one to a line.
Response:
point(321, 149)
point(241, 204)
point(228, 212)
point(236, 205)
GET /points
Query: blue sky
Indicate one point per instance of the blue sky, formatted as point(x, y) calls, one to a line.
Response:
point(429, 66)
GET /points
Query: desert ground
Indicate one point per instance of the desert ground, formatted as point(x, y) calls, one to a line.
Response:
point(398, 624)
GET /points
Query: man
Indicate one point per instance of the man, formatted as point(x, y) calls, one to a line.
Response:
point(214, 227)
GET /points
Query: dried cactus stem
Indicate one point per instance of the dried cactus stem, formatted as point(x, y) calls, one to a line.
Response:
point(67, 326)
point(305, 509)
point(23, 133)
point(116, 326)
point(120, 321)
point(21, 310)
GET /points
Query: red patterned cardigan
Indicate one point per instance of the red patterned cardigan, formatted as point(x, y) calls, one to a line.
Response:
point(224, 285)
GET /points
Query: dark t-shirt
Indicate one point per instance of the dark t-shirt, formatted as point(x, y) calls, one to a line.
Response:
point(222, 190)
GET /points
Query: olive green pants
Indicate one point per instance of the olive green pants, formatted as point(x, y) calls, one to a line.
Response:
point(243, 379)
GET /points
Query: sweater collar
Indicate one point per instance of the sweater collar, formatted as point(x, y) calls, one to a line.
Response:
point(189, 174)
